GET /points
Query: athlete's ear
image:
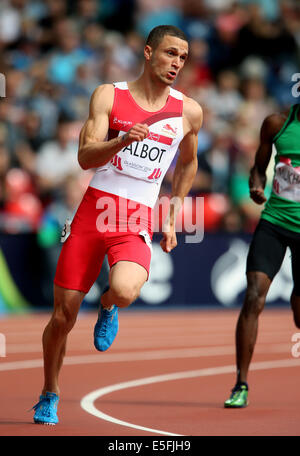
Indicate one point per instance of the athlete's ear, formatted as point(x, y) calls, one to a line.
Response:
point(148, 51)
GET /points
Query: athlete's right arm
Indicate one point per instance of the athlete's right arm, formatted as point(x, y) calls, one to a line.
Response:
point(257, 180)
point(93, 149)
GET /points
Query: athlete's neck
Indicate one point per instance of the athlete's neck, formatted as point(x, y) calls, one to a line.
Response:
point(151, 95)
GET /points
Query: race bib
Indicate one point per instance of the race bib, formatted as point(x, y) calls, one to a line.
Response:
point(66, 231)
point(286, 182)
point(150, 159)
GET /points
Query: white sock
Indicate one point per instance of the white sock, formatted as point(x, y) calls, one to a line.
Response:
point(109, 309)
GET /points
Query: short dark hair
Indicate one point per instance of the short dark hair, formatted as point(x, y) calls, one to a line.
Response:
point(157, 34)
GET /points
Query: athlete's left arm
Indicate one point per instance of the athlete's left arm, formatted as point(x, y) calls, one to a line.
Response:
point(185, 170)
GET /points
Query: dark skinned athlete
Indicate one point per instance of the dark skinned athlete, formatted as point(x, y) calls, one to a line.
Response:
point(278, 228)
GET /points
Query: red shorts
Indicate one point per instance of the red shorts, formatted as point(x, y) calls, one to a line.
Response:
point(103, 224)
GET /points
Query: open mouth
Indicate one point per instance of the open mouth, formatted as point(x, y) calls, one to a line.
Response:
point(172, 74)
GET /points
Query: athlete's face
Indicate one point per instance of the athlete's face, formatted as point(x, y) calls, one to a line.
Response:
point(167, 59)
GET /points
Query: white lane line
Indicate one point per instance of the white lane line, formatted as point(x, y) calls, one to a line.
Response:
point(142, 356)
point(87, 402)
point(24, 348)
point(205, 350)
point(264, 347)
point(85, 346)
point(163, 331)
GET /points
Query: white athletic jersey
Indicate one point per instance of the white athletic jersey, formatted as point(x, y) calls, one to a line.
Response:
point(137, 171)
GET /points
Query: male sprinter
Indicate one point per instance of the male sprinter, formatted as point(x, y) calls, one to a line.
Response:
point(131, 136)
point(278, 229)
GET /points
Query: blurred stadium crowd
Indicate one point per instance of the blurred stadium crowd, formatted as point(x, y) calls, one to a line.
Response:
point(54, 53)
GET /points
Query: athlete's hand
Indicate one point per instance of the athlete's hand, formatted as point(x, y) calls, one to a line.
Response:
point(169, 241)
point(257, 194)
point(137, 133)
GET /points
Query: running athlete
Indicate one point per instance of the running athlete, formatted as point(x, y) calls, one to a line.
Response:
point(131, 136)
point(278, 228)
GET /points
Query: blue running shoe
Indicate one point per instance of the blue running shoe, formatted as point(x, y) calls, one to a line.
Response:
point(45, 409)
point(106, 328)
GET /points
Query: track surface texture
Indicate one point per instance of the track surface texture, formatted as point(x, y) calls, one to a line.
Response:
point(167, 373)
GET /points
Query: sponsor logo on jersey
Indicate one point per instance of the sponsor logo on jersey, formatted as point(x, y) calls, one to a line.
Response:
point(153, 136)
point(123, 123)
point(169, 131)
point(160, 138)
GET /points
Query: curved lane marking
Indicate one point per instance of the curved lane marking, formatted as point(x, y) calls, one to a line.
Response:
point(87, 402)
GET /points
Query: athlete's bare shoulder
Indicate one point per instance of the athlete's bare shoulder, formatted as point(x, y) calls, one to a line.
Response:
point(273, 123)
point(192, 113)
point(102, 99)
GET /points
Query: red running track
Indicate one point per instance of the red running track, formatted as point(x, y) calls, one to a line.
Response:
point(167, 373)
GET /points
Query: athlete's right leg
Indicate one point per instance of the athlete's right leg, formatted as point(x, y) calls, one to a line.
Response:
point(258, 284)
point(264, 259)
point(78, 267)
point(66, 307)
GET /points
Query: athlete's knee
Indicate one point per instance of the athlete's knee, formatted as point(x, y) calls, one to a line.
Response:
point(63, 320)
point(65, 313)
point(125, 294)
point(254, 300)
point(258, 284)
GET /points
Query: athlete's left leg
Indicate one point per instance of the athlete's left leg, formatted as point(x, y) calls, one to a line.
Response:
point(129, 257)
point(125, 282)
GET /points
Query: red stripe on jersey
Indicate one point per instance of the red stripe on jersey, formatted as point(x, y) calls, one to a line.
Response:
point(160, 138)
point(160, 116)
point(126, 112)
point(152, 136)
